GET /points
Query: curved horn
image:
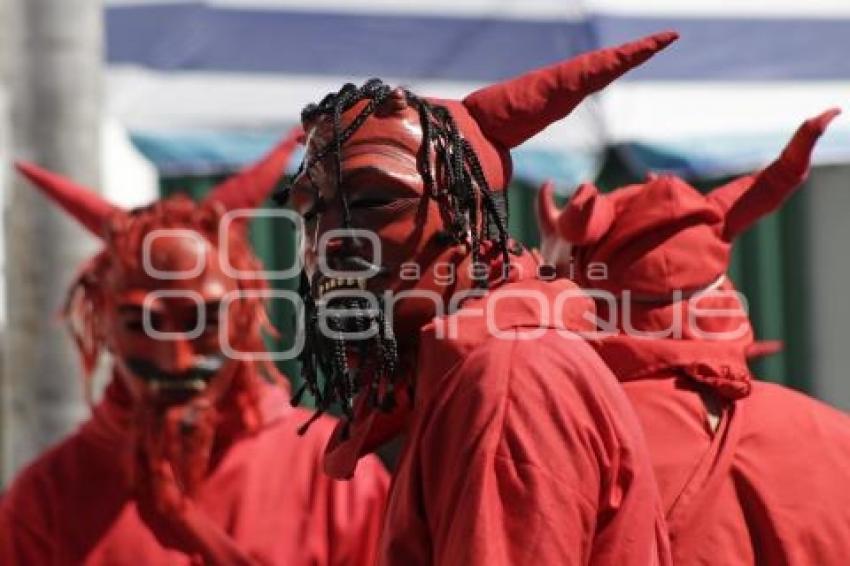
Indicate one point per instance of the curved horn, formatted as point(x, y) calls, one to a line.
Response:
point(515, 110)
point(587, 217)
point(547, 210)
point(764, 348)
point(747, 199)
point(84, 204)
point(251, 186)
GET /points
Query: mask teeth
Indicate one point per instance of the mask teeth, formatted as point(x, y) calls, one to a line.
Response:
point(339, 283)
point(196, 385)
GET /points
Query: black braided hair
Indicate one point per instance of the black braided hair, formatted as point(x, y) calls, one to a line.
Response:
point(324, 362)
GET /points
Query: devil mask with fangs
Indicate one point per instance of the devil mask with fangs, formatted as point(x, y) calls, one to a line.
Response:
point(172, 309)
point(397, 191)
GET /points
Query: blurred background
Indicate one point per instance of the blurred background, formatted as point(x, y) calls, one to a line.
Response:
point(143, 98)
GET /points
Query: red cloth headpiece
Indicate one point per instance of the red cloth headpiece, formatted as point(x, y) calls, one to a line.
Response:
point(247, 189)
point(498, 118)
point(664, 235)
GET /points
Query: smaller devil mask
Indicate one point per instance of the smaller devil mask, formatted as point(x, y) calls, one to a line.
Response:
point(405, 196)
point(171, 307)
point(158, 295)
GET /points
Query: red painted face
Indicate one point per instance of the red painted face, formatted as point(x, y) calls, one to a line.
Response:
point(386, 196)
point(177, 353)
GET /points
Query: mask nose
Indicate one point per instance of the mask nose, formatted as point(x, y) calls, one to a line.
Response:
point(175, 356)
point(335, 252)
point(349, 254)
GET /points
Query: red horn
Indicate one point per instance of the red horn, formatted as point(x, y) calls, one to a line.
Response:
point(764, 348)
point(251, 186)
point(587, 217)
point(84, 204)
point(511, 112)
point(747, 199)
point(547, 211)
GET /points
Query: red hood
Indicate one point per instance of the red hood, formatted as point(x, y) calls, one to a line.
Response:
point(656, 246)
point(370, 428)
point(700, 352)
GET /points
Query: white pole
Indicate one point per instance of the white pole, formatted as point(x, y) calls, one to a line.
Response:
point(5, 133)
point(54, 69)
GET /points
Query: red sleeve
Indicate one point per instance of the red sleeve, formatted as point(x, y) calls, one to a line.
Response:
point(22, 539)
point(356, 512)
point(523, 462)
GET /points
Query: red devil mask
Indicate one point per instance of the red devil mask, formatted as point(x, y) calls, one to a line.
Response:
point(154, 295)
point(373, 153)
point(405, 195)
point(166, 302)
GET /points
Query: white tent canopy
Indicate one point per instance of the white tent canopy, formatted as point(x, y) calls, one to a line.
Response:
point(721, 100)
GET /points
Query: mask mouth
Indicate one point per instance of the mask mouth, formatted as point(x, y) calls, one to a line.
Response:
point(187, 383)
point(325, 285)
point(340, 327)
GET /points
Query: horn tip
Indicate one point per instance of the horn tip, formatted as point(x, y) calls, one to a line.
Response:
point(547, 211)
point(664, 38)
point(830, 114)
point(24, 166)
point(29, 170)
point(817, 126)
point(297, 135)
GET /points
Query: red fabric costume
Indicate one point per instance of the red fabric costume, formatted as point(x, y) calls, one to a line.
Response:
point(266, 501)
point(517, 454)
point(750, 472)
point(514, 452)
point(192, 456)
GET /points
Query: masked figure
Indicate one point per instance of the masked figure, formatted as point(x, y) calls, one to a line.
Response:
point(749, 472)
point(425, 318)
point(192, 456)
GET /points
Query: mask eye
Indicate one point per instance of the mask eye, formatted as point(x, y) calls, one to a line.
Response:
point(134, 325)
point(370, 202)
point(132, 319)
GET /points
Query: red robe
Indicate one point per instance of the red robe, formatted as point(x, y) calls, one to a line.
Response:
point(767, 483)
point(521, 451)
point(750, 473)
point(268, 493)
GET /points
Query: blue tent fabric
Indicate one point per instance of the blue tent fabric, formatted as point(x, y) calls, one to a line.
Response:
point(204, 152)
point(175, 37)
point(197, 39)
